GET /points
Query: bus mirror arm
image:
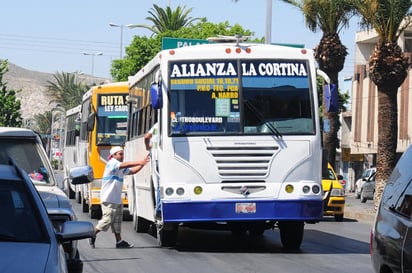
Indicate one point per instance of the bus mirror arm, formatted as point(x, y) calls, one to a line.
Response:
point(323, 75)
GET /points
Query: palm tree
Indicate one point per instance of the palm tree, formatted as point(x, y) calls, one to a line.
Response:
point(66, 91)
point(43, 122)
point(168, 19)
point(329, 16)
point(388, 68)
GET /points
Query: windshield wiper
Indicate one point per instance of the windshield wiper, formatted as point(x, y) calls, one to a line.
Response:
point(261, 118)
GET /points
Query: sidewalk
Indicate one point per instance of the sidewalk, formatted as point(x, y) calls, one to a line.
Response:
point(355, 209)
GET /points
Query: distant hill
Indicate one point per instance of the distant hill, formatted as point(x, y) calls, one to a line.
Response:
point(32, 84)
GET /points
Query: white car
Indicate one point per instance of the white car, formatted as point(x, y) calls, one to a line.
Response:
point(25, 148)
point(365, 176)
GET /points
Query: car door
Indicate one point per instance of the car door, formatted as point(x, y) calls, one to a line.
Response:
point(406, 209)
point(407, 250)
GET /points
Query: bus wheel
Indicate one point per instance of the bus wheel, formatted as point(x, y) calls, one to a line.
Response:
point(140, 225)
point(85, 206)
point(96, 213)
point(291, 234)
point(79, 197)
point(167, 235)
point(72, 194)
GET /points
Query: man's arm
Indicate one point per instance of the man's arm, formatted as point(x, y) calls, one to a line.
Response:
point(134, 166)
point(147, 138)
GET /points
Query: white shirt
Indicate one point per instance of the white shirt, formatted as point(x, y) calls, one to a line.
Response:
point(112, 183)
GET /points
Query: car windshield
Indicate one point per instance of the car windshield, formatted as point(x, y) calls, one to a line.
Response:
point(21, 220)
point(24, 152)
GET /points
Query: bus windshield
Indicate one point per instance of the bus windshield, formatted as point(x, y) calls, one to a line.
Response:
point(112, 122)
point(269, 97)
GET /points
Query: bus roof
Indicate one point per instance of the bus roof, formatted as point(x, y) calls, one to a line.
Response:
point(108, 87)
point(234, 50)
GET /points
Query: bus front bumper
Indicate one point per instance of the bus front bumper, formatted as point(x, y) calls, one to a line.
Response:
point(242, 210)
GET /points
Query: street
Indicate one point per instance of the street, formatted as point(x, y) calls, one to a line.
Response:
point(328, 246)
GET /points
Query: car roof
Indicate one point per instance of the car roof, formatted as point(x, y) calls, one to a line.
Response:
point(13, 131)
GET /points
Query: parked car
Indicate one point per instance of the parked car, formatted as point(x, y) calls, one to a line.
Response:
point(391, 234)
point(368, 189)
point(333, 194)
point(25, 147)
point(365, 176)
point(28, 240)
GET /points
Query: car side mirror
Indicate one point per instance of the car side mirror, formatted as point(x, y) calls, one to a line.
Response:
point(81, 175)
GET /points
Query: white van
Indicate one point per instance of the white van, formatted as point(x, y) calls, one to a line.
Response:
point(25, 148)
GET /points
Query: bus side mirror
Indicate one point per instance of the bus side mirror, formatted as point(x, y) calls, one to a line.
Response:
point(90, 121)
point(156, 96)
point(81, 175)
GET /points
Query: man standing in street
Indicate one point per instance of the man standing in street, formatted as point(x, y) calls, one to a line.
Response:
point(111, 191)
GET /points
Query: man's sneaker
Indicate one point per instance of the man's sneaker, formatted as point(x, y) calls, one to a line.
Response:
point(92, 241)
point(123, 244)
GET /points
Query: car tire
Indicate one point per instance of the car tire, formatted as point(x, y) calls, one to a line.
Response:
point(362, 197)
point(338, 217)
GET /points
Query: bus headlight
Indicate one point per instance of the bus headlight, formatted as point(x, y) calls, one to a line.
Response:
point(180, 191)
point(198, 190)
point(306, 189)
point(289, 188)
point(169, 191)
point(315, 189)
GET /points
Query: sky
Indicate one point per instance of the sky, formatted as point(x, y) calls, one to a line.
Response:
point(52, 36)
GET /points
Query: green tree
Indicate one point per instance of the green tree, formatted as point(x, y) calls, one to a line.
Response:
point(43, 122)
point(388, 68)
point(329, 16)
point(66, 91)
point(10, 115)
point(168, 19)
point(143, 49)
point(140, 51)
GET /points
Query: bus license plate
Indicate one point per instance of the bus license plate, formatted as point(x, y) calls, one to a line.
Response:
point(245, 207)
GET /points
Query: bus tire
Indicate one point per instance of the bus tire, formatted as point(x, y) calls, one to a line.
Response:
point(72, 193)
point(291, 234)
point(140, 225)
point(167, 237)
point(79, 197)
point(85, 206)
point(96, 212)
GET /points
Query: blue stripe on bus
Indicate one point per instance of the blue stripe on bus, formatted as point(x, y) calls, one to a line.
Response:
point(182, 211)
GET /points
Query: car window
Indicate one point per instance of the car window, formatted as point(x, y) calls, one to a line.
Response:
point(21, 221)
point(398, 189)
point(24, 152)
point(329, 175)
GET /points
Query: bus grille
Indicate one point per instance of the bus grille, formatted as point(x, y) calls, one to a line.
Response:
point(243, 162)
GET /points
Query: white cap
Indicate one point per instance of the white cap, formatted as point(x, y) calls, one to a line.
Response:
point(115, 149)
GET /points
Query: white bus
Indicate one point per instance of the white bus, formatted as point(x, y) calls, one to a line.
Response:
point(70, 150)
point(237, 141)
